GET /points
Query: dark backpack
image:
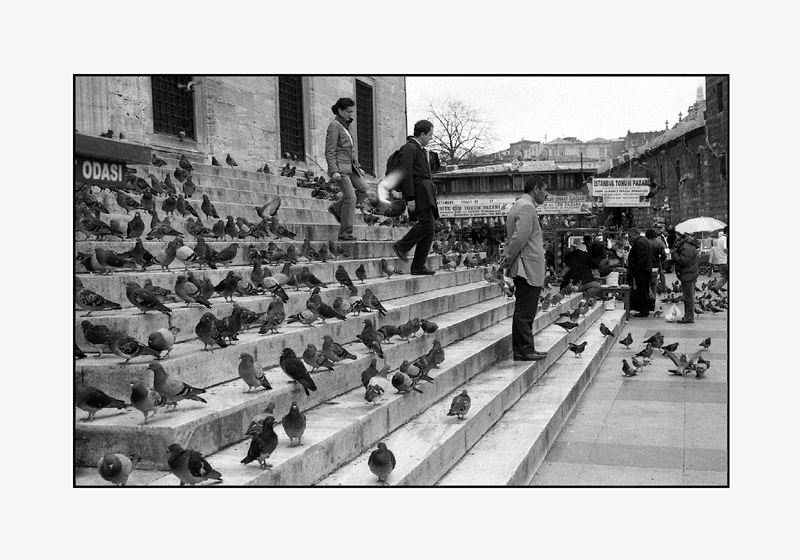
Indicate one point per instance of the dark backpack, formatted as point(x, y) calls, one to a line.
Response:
point(392, 162)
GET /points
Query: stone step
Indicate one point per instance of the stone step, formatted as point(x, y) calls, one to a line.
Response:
point(428, 445)
point(472, 337)
point(222, 422)
point(511, 451)
point(422, 297)
point(112, 286)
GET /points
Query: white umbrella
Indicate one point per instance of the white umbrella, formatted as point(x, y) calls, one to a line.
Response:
point(700, 224)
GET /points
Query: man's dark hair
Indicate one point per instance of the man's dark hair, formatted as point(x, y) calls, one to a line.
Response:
point(650, 233)
point(342, 103)
point(422, 127)
point(587, 240)
point(533, 182)
point(633, 232)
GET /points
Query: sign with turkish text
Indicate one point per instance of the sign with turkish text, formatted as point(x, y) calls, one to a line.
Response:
point(559, 204)
point(474, 207)
point(99, 172)
point(622, 191)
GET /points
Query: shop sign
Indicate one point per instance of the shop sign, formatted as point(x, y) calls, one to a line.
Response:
point(474, 207)
point(566, 205)
point(622, 191)
point(99, 172)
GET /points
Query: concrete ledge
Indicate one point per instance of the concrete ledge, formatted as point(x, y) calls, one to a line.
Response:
point(511, 451)
point(430, 444)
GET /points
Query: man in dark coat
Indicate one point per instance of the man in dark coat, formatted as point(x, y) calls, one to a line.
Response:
point(640, 272)
point(419, 193)
point(684, 255)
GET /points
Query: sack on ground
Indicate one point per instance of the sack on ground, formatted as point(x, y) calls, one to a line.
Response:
point(674, 314)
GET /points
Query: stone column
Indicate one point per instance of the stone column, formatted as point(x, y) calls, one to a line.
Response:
point(91, 105)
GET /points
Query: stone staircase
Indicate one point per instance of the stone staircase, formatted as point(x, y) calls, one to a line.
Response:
point(525, 401)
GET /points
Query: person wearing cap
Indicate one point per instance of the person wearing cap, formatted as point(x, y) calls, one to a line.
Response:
point(639, 272)
point(719, 256)
point(684, 255)
point(578, 265)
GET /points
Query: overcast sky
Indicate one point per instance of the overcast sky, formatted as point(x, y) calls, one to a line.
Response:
point(586, 107)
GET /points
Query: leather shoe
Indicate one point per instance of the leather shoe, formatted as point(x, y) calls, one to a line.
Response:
point(423, 272)
point(684, 320)
point(641, 315)
point(400, 254)
point(346, 238)
point(529, 357)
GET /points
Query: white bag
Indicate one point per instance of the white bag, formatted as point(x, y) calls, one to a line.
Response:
point(674, 314)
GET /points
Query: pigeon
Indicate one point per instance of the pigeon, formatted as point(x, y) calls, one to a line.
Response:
point(406, 329)
point(248, 318)
point(252, 373)
point(428, 327)
point(189, 292)
point(567, 325)
point(227, 286)
point(682, 364)
point(404, 383)
point(269, 209)
point(92, 301)
point(369, 336)
point(109, 134)
point(257, 423)
point(334, 351)
point(263, 444)
point(308, 251)
point(316, 359)
point(172, 388)
point(372, 302)
point(162, 341)
point(577, 349)
point(189, 466)
point(342, 277)
point(309, 280)
point(361, 273)
point(135, 227)
point(325, 311)
point(639, 362)
point(627, 341)
point(294, 368)
point(185, 164)
point(128, 347)
point(381, 462)
point(274, 318)
point(373, 393)
point(388, 331)
point(604, 330)
point(294, 424)
point(110, 259)
point(372, 371)
point(157, 161)
point(230, 161)
point(460, 405)
point(656, 340)
point(209, 330)
point(231, 325)
point(145, 400)
point(706, 343)
point(305, 317)
point(669, 347)
point(96, 335)
point(704, 362)
point(145, 300)
point(278, 230)
point(647, 352)
point(79, 354)
point(341, 306)
point(214, 162)
point(627, 370)
point(227, 254)
point(208, 208)
point(388, 269)
point(92, 399)
point(436, 354)
point(115, 467)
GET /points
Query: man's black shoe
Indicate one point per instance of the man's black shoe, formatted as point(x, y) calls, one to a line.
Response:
point(529, 357)
point(423, 272)
point(641, 315)
point(399, 253)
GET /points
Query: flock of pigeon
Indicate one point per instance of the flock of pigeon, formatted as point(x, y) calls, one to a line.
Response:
point(188, 465)
point(683, 363)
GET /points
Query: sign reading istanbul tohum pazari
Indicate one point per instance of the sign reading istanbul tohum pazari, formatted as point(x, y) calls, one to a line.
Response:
point(622, 191)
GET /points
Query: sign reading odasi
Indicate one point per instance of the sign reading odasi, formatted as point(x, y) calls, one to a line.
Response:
point(99, 172)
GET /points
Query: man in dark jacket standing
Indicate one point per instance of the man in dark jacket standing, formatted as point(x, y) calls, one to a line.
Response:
point(640, 271)
point(684, 255)
point(419, 193)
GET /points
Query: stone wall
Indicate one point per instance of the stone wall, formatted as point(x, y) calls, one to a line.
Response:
point(239, 115)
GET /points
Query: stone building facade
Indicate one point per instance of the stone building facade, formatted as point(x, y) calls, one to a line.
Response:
point(246, 116)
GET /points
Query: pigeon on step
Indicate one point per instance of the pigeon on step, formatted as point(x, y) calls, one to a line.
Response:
point(263, 444)
point(115, 468)
point(189, 466)
point(294, 424)
point(382, 462)
point(172, 388)
point(92, 400)
point(460, 405)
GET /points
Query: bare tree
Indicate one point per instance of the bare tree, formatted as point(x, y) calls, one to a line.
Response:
point(458, 130)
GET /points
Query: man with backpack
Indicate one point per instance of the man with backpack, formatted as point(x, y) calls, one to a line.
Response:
point(419, 192)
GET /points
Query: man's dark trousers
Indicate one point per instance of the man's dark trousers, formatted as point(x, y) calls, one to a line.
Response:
point(641, 295)
point(421, 235)
point(525, 306)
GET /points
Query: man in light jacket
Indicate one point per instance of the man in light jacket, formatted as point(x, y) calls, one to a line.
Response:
point(719, 256)
point(524, 256)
